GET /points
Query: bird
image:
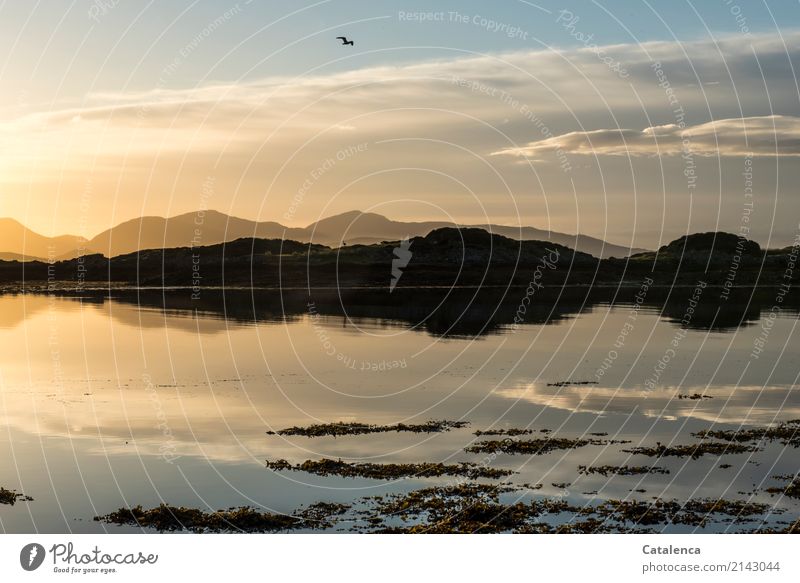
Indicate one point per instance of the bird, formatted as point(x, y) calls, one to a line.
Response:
point(344, 40)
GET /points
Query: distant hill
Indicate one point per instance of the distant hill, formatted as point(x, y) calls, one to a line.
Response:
point(186, 230)
point(19, 257)
point(20, 243)
point(367, 228)
point(212, 227)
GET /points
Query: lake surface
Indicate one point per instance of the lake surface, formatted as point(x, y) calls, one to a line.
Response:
point(109, 402)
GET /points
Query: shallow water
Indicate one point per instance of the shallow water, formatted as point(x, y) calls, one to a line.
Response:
point(108, 403)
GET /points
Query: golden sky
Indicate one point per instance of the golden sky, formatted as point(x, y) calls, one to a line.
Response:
point(515, 132)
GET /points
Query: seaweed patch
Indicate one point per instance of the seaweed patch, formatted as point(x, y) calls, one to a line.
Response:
point(11, 497)
point(341, 428)
point(788, 433)
point(693, 451)
point(621, 470)
point(329, 467)
point(535, 446)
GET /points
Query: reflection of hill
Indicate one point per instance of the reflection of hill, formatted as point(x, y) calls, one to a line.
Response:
point(159, 317)
point(464, 312)
point(15, 311)
point(714, 315)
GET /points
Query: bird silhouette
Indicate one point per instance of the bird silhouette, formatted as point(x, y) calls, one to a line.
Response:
point(344, 40)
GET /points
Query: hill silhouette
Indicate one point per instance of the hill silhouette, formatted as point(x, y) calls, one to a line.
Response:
point(210, 227)
point(445, 258)
point(717, 242)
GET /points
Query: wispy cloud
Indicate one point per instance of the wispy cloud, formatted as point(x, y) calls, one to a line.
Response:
point(771, 135)
point(569, 89)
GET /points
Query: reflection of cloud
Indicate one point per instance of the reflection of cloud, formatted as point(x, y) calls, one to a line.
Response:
point(772, 135)
point(185, 420)
point(749, 405)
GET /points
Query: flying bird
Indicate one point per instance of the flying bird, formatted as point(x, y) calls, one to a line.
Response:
point(344, 40)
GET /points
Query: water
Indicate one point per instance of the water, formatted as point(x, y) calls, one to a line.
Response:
point(140, 399)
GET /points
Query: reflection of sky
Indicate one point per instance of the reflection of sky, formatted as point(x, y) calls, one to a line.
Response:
point(123, 391)
point(755, 405)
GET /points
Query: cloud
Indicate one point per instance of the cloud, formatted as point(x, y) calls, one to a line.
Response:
point(566, 90)
point(771, 135)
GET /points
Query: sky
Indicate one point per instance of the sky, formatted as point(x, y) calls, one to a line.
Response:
point(636, 122)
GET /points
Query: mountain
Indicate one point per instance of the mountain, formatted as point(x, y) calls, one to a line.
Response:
point(17, 242)
point(19, 257)
point(365, 228)
point(212, 227)
point(186, 230)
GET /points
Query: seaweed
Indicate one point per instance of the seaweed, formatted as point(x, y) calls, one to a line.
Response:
point(166, 518)
point(535, 446)
point(693, 512)
point(788, 433)
point(476, 508)
point(352, 428)
point(693, 451)
point(511, 432)
point(466, 508)
point(621, 470)
point(457, 508)
point(11, 497)
point(791, 489)
point(329, 467)
point(322, 514)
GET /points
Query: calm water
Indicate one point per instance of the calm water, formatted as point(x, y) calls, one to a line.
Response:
point(107, 404)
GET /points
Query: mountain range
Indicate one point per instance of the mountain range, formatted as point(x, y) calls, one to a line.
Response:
point(200, 228)
point(444, 259)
